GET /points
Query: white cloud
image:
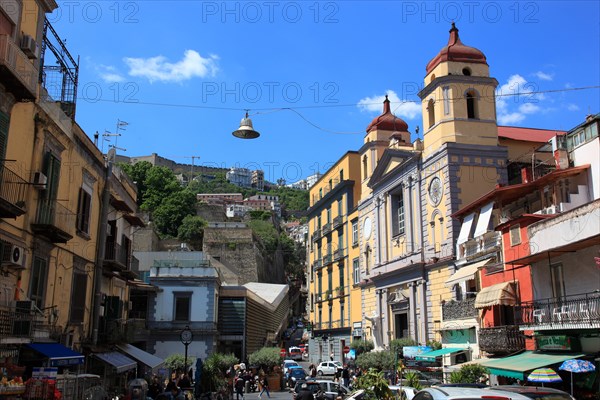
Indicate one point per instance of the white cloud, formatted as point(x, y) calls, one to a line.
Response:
point(516, 99)
point(544, 76)
point(572, 107)
point(159, 69)
point(111, 77)
point(402, 109)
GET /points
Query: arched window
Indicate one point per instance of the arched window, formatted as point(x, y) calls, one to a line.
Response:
point(471, 97)
point(365, 167)
point(431, 112)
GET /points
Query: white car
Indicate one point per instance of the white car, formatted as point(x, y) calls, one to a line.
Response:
point(463, 393)
point(403, 392)
point(329, 367)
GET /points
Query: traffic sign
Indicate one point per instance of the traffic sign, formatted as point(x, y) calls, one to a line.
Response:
point(346, 349)
point(282, 352)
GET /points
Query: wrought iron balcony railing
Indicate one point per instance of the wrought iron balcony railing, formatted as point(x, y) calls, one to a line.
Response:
point(13, 189)
point(337, 221)
point(577, 311)
point(317, 264)
point(316, 235)
point(501, 339)
point(327, 259)
point(326, 228)
point(116, 255)
point(338, 254)
point(486, 243)
point(459, 309)
point(54, 221)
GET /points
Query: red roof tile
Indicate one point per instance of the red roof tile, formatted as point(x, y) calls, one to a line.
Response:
point(527, 134)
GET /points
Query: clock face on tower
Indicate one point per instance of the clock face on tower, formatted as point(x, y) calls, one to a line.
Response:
point(435, 191)
point(367, 228)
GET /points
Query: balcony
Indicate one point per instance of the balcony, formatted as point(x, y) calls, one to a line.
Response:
point(316, 235)
point(13, 189)
point(570, 312)
point(17, 72)
point(338, 254)
point(501, 339)
point(54, 222)
point(337, 221)
point(327, 259)
point(484, 244)
point(326, 228)
point(317, 265)
point(459, 309)
point(16, 325)
point(116, 256)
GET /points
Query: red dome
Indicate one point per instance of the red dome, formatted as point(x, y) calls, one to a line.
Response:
point(455, 50)
point(387, 121)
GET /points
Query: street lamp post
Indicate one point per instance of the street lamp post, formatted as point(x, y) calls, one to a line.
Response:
point(186, 339)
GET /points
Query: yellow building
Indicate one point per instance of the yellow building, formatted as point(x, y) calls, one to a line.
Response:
point(333, 294)
point(57, 210)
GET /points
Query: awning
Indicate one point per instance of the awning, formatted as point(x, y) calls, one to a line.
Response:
point(140, 355)
point(134, 220)
point(500, 294)
point(465, 229)
point(57, 354)
point(120, 362)
point(483, 222)
point(466, 273)
point(431, 356)
point(517, 366)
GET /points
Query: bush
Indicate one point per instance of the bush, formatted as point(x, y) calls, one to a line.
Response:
point(374, 384)
point(470, 373)
point(267, 358)
point(412, 380)
point(214, 369)
point(175, 362)
point(362, 346)
point(377, 360)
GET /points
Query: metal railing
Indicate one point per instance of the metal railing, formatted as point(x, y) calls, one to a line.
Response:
point(326, 228)
point(53, 214)
point(13, 189)
point(18, 63)
point(116, 253)
point(483, 244)
point(326, 189)
point(501, 339)
point(327, 259)
point(337, 221)
point(316, 235)
point(16, 323)
point(582, 310)
point(458, 309)
point(317, 264)
point(337, 254)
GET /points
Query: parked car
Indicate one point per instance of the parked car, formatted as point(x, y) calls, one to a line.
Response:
point(329, 367)
point(294, 375)
point(330, 389)
point(287, 364)
point(467, 385)
point(403, 392)
point(425, 380)
point(535, 392)
point(464, 393)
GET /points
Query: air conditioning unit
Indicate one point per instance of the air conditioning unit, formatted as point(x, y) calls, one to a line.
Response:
point(14, 256)
point(29, 46)
point(40, 180)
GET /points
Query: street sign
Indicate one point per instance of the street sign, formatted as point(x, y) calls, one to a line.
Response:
point(282, 352)
point(346, 349)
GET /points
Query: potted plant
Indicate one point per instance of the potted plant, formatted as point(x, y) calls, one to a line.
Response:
point(340, 290)
point(328, 294)
point(269, 359)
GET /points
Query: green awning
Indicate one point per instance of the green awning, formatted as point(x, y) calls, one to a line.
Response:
point(430, 356)
point(517, 366)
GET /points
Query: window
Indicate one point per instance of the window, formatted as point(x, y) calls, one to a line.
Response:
point(341, 175)
point(182, 303)
point(431, 113)
point(329, 215)
point(78, 296)
point(320, 283)
point(341, 314)
point(365, 171)
point(340, 241)
point(398, 214)
point(446, 96)
point(321, 193)
point(466, 71)
point(471, 97)
point(39, 275)
point(330, 316)
point(342, 284)
point(354, 233)
point(319, 222)
point(356, 271)
point(340, 207)
point(515, 235)
point(330, 280)
point(52, 172)
point(83, 211)
point(558, 282)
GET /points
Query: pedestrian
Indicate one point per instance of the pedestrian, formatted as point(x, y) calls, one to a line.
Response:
point(313, 371)
point(346, 375)
point(239, 388)
point(265, 387)
point(304, 393)
point(184, 382)
point(155, 388)
point(331, 357)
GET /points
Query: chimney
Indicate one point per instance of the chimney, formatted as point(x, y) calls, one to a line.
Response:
point(526, 176)
point(561, 157)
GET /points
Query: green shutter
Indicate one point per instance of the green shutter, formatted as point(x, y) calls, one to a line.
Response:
point(4, 124)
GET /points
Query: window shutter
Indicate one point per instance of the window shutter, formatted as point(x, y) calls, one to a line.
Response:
point(4, 124)
point(78, 296)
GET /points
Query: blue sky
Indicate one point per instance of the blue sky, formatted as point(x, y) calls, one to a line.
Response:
point(312, 74)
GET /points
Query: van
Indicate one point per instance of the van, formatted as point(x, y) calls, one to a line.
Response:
point(295, 353)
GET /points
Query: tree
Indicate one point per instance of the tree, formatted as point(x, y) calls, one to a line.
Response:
point(137, 172)
point(267, 357)
point(362, 346)
point(191, 231)
point(377, 360)
point(171, 211)
point(396, 345)
point(160, 183)
point(175, 362)
point(215, 367)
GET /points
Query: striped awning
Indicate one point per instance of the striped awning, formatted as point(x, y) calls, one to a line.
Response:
point(500, 294)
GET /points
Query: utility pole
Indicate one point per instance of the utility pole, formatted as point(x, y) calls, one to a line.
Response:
point(192, 169)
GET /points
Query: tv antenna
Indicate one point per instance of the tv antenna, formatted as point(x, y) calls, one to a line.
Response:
point(121, 125)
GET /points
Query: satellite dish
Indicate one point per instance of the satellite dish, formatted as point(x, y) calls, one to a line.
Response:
point(111, 155)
